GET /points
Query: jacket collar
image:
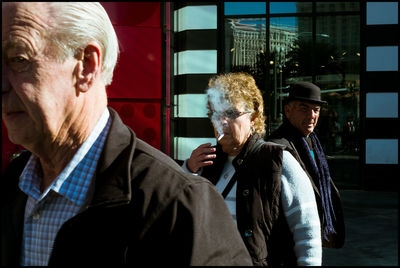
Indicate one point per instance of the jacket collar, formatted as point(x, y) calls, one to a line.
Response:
point(113, 180)
point(246, 149)
point(289, 129)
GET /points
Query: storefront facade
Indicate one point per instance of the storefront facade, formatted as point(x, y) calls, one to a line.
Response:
point(169, 50)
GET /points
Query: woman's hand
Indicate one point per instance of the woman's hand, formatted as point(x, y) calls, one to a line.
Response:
point(201, 156)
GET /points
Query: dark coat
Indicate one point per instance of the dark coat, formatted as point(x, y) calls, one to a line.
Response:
point(145, 210)
point(285, 135)
point(259, 213)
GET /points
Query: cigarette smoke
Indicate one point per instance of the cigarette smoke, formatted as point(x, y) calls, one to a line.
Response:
point(219, 105)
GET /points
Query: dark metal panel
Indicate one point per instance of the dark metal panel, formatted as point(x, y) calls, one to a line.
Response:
point(191, 83)
point(196, 40)
point(378, 35)
point(382, 128)
point(381, 82)
point(193, 127)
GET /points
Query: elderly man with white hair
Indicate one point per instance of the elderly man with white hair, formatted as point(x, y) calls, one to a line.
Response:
point(87, 191)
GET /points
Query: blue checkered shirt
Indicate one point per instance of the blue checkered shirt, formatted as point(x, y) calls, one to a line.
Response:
point(46, 212)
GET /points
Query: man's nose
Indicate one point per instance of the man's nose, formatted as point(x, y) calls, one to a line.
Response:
point(312, 113)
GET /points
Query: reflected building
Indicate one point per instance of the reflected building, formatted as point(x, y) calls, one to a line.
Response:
point(282, 38)
point(342, 33)
point(249, 39)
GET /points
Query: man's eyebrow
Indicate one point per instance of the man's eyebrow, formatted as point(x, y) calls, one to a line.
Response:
point(303, 104)
point(17, 44)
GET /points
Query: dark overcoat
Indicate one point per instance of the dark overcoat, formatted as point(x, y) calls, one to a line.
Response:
point(285, 135)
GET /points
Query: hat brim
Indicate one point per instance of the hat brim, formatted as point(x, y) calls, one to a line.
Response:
point(307, 100)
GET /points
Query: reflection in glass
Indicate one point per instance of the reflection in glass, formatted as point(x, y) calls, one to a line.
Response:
point(337, 71)
point(246, 40)
point(329, 57)
point(289, 7)
point(244, 8)
point(337, 6)
point(290, 59)
point(245, 48)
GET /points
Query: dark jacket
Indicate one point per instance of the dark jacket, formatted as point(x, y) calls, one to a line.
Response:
point(285, 135)
point(259, 214)
point(145, 210)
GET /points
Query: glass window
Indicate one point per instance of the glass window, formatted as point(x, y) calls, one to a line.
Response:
point(290, 7)
point(244, 8)
point(337, 6)
point(329, 57)
point(337, 73)
point(245, 43)
point(290, 60)
point(246, 49)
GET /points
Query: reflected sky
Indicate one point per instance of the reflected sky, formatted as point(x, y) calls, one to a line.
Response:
point(259, 8)
point(254, 8)
point(244, 8)
point(282, 7)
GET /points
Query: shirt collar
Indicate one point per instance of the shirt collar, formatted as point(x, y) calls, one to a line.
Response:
point(32, 174)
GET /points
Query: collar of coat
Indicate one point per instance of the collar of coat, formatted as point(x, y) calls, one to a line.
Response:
point(246, 149)
point(290, 130)
point(113, 180)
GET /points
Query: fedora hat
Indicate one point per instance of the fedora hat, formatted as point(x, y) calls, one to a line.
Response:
point(305, 91)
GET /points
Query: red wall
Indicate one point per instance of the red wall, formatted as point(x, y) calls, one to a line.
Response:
point(136, 89)
point(135, 92)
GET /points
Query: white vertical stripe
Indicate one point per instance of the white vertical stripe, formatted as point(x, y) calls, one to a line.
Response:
point(382, 13)
point(191, 105)
point(381, 151)
point(185, 146)
point(382, 105)
point(382, 58)
point(195, 18)
point(195, 62)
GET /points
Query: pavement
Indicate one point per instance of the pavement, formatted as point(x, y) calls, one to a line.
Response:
point(372, 234)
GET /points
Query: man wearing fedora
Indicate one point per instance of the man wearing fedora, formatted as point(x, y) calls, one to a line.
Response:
point(302, 109)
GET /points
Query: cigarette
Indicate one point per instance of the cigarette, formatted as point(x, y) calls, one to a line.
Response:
point(220, 136)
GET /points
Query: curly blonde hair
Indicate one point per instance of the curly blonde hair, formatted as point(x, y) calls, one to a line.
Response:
point(241, 88)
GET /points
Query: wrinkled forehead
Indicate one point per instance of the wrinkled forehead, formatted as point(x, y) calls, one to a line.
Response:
point(23, 20)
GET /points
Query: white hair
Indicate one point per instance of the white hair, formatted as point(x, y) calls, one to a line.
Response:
point(78, 23)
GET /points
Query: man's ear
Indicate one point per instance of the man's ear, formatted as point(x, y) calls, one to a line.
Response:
point(287, 109)
point(89, 67)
